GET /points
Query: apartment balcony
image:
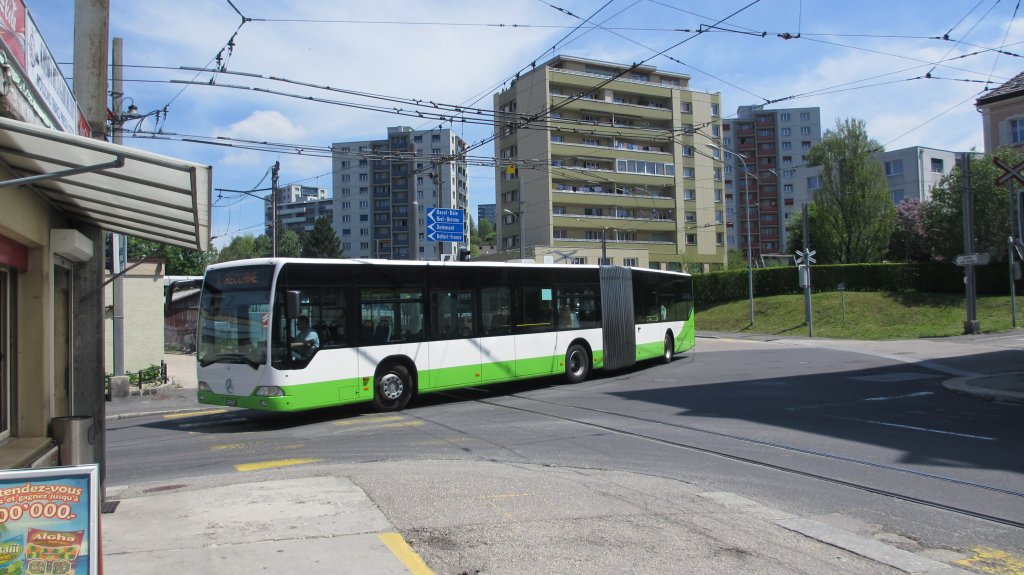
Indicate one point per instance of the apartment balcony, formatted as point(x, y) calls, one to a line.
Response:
point(637, 115)
point(607, 195)
point(584, 222)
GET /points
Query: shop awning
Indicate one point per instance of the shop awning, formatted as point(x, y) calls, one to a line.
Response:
point(117, 188)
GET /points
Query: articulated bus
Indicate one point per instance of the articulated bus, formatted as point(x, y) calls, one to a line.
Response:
point(387, 330)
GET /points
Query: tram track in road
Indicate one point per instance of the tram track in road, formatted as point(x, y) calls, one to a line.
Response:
point(766, 464)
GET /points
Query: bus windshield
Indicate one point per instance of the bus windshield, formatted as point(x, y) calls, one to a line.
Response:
point(234, 313)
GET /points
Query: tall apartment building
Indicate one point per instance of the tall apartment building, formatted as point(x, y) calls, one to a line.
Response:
point(383, 189)
point(911, 173)
point(774, 144)
point(298, 208)
point(599, 158)
point(486, 212)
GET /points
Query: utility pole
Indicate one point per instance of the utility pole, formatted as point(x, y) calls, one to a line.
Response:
point(971, 324)
point(273, 208)
point(116, 241)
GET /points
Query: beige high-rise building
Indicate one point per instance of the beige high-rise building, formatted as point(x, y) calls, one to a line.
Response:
point(597, 159)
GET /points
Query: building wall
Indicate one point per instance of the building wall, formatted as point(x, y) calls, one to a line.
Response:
point(143, 318)
point(995, 122)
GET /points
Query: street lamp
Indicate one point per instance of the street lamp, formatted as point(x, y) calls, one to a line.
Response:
point(746, 207)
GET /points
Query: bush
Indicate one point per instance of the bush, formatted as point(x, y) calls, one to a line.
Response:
point(731, 285)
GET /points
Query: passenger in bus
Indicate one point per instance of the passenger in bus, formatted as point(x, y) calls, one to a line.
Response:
point(307, 341)
point(382, 333)
point(499, 321)
point(567, 318)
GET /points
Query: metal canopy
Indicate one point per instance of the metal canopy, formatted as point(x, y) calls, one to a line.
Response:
point(120, 189)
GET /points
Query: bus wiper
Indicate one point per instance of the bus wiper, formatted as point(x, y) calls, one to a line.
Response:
point(230, 358)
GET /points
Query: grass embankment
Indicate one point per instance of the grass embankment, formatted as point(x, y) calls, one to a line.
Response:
point(869, 315)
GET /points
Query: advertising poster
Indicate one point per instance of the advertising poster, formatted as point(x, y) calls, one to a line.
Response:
point(49, 521)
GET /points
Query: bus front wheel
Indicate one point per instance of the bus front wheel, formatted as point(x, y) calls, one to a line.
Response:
point(577, 363)
point(670, 348)
point(393, 388)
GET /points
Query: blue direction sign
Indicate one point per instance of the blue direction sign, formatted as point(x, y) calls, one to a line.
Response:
point(446, 225)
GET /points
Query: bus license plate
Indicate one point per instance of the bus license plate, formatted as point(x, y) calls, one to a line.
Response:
point(231, 402)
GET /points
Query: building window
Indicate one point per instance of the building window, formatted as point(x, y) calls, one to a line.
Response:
point(691, 239)
point(937, 165)
point(715, 109)
point(364, 177)
point(690, 217)
point(689, 173)
point(718, 196)
point(686, 107)
point(719, 238)
point(718, 174)
point(897, 196)
point(785, 131)
point(805, 116)
point(784, 117)
point(560, 234)
point(805, 145)
point(630, 262)
point(805, 131)
point(788, 188)
point(787, 145)
point(1017, 131)
point(814, 182)
point(715, 130)
point(719, 218)
point(894, 168)
point(689, 194)
point(581, 261)
point(558, 210)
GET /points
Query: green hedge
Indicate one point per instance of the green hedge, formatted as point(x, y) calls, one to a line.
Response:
point(732, 285)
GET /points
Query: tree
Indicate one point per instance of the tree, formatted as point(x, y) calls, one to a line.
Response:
point(852, 214)
point(263, 246)
point(321, 242)
point(240, 248)
point(909, 242)
point(486, 232)
point(177, 261)
point(943, 214)
point(289, 244)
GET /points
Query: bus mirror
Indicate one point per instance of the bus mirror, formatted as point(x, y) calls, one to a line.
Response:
point(291, 303)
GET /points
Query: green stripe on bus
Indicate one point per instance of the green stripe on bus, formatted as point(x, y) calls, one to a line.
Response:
point(341, 392)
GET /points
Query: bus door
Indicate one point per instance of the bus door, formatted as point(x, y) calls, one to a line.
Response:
point(536, 339)
point(454, 343)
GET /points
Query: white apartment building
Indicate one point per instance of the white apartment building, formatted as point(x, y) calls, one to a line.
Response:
point(912, 172)
point(383, 189)
point(298, 208)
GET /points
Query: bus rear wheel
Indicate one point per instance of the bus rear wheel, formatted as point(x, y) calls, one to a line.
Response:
point(392, 389)
point(670, 348)
point(577, 363)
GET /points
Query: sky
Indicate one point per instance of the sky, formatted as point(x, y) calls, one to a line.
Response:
point(911, 69)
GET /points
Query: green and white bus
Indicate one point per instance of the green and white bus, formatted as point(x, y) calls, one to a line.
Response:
point(389, 330)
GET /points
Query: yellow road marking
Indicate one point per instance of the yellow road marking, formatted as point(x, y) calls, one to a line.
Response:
point(491, 500)
point(994, 562)
point(194, 413)
point(438, 442)
point(224, 446)
point(367, 420)
point(402, 424)
point(273, 464)
point(412, 561)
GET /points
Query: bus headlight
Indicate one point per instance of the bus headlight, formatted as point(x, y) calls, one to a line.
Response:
point(203, 386)
point(269, 391)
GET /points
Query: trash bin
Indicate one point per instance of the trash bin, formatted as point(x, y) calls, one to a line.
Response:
point(75, 437)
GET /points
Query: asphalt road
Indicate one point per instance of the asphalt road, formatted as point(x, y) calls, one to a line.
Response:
point(863, 442)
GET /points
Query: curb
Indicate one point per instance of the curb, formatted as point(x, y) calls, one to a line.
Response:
point(963, 386)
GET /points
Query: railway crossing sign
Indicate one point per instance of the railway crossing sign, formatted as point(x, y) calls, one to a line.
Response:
point(1009, 173)
point(809, 256)
point(446, 225)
